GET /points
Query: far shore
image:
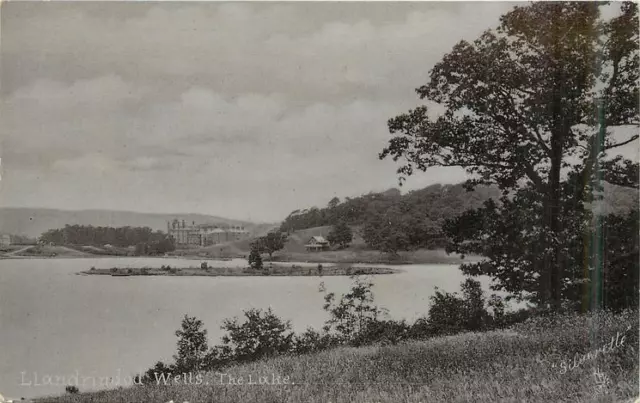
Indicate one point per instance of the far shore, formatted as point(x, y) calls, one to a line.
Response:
point(344, 257)
point(267, 270)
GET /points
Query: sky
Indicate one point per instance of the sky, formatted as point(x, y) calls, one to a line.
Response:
point(242, 110)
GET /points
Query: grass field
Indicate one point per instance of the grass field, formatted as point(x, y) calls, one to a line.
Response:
point(531, 362)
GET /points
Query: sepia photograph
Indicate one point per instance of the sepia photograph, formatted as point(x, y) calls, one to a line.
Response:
point(319, 201)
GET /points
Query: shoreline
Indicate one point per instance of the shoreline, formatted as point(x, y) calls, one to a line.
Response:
point(320, 260)
point(267, 271)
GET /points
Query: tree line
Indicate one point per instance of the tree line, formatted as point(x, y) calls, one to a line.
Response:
point(392, 221)
point(145, 240)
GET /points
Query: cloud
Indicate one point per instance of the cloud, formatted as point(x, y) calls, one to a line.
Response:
point(231, 108)
point(240, 48)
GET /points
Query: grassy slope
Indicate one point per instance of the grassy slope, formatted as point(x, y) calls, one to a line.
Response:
point(56, 250)
point(485, 368)
point(294, 251)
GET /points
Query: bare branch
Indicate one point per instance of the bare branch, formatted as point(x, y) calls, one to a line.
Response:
point(633, 138)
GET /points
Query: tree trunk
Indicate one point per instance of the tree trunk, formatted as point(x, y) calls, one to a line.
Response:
point(552, 273)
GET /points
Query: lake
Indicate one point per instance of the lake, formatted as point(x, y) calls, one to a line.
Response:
point(54, 322)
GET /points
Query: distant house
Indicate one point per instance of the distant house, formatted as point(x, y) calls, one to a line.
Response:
point(317, 243)
point(5, 240)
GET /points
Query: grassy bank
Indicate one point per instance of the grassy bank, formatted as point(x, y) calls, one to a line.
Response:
point(50, 251)
point(528, 363)
point(269, 270)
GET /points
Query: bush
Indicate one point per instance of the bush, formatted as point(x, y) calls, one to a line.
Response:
point(261, 334)
point(192, 345)
point(450, 313)
point(353, 312)
point(311, 341)
point(255, 260)
point(71, 389)
point(382, 331)
point(159, 371)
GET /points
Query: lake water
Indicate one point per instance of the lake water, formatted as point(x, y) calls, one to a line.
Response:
point(54, 322)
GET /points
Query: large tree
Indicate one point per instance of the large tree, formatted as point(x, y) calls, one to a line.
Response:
point(340, 235)
point(530, 106)
point(270, 243)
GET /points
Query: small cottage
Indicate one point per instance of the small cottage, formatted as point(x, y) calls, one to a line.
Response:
point(316, 244)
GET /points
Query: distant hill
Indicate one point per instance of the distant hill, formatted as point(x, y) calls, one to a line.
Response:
point(32, 222)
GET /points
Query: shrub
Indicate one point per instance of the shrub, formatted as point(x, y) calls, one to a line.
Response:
point(71, 389)
point(353, 312)
point(383, 332)
point(311, 341)
point(192, 345)
point(255, 260)
point(261, 334)
point(159, 371)
point(451, 313)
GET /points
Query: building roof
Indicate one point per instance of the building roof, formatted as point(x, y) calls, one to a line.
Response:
point(318, 239)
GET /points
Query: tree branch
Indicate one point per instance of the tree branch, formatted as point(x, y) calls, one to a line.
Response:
point(633, 138)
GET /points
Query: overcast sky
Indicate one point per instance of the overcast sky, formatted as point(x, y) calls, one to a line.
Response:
point(242, 110)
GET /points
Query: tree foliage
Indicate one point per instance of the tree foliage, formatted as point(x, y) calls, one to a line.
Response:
point(421, 210)
point(192, 345)
point(261, 334)
point(401, 228)
point(340, 235)
point(255, 260)
point(333, 203)
point(144, 239)
point(353, 312)
point(270, 243)
point(520, 112)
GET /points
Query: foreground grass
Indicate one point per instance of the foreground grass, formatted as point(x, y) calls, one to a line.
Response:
point(520, 365)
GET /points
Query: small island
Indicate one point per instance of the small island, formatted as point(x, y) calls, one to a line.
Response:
point(267, 270)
